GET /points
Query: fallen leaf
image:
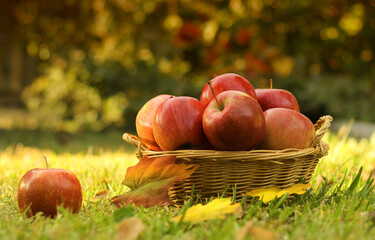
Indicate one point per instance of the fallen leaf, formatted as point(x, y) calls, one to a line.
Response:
point(129, 229)
point(105, 194)
point(295, 189)
point(320, 180)
point(265, 194)
point(368, 215)
point(101, 194)
point(255, 232)
point(150, 180)
point(218, 208)
point(268, 194)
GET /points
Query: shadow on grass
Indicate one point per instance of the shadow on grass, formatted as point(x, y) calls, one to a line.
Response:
point(64, 142)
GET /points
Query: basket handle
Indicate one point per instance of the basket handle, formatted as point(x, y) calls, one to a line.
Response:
point(321, 126)
point(134, 140)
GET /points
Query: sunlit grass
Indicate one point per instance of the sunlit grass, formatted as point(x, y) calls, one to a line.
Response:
point(95, 171)
point(346, 156)
point(334, 209)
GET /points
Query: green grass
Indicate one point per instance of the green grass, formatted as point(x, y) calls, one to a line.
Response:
point(341, 207)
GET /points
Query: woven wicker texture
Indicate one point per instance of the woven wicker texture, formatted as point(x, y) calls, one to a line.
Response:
point(222, 172)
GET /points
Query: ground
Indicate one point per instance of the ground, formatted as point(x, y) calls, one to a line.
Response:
point(340, 205)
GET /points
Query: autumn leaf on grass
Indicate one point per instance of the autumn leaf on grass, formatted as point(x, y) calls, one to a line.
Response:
point(129, 229)
point(268, 194)
point(218, 208)
point(256, 232)
point(150, 180)
point(100, 196)
point(265, 194)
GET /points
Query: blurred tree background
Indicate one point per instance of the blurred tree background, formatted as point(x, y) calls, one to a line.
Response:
point(78, 65)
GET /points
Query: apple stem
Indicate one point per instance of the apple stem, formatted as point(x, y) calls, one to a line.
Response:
point(212, 90)
point(45, 160)
point(271, 83)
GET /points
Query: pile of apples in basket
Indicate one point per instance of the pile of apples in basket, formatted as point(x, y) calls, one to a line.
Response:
point(230, 116)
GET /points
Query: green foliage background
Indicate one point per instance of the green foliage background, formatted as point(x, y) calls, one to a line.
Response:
point(101, 60)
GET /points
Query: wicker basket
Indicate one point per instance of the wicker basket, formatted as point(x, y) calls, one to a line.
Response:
point(222, 172)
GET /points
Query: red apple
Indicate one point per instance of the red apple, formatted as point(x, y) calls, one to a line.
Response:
point(234, 122)
point(224, 82)
point(286, 128)
point(276, 98)
point(145, 118)
point(45, 189)
point(178, 124)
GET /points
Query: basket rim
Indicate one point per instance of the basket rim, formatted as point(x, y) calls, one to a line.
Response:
point(318, 148)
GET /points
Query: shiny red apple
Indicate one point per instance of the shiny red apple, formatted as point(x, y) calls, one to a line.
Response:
point(45, 189)
point(234, 122)
point(224, 82)
point(276, 98)
point(178, 124)
point(145, 118)
point(286, 128)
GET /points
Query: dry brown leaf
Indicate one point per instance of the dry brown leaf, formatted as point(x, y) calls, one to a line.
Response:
point(129, 229)
point(101, 194)
point(368, 215)
point(319, 180)
point(255, 232)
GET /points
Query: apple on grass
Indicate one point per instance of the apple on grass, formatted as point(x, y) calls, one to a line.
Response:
point(276, 98)
point(286, 128)
point(234, 121)
point(178, 124)
point(145, 118)
point(224, 82)
point(45, 189)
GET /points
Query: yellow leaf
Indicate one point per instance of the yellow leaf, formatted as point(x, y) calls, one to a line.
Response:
point(295, 189)
point(265, 194)
point(268, 194)
point(218, 208)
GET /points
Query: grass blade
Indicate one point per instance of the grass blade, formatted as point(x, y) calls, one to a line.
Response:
point(355, 182)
